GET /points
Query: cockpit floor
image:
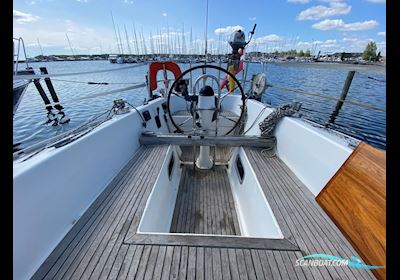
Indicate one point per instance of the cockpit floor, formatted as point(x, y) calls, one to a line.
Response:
point(205, 204)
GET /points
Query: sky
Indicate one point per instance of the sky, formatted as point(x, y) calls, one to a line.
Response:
point(179, 26)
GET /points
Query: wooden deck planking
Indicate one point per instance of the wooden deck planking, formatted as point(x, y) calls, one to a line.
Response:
point(95, 246)
point(222, 154)
point(112, 236)
point(85, 225)
point(200, 263)
point(102, 214)
point(312, 229)
point(302, 221)
point(216, 211)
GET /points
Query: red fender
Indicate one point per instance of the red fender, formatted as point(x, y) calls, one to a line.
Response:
point(157, 66)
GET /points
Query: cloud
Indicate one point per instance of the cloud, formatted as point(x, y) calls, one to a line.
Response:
point(128, 2)
point(358, 44)
point(23, 18)
point(347, 44)
point(331, 1)
point(299, 1)
point(318, 12)
point(82, 1)
point(338, 24)
point(252, 18)
point(164, 14)
point(227, 30)
point(328, 44)
point(382, 33)
point(268, 39)
point(377, 1)
point(302, 44)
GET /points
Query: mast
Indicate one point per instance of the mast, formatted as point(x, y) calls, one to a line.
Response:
point(161, 43)
point(69, 43)
point(120, 41)
point(158, 42)
point(115, 32)
point(191, 39)
point(178, 43)
point(127, 40)
point(136, 41)
point(169, 49)
point(205, 47)
point(144, 43)
point(151, 44)
point(219, 41)
point(40, 46)
point(183, 50)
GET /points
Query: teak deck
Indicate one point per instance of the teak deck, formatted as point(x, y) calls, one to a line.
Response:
point(96, 247)
point(204, 204)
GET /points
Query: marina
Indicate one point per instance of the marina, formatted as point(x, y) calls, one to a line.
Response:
point(327, 80)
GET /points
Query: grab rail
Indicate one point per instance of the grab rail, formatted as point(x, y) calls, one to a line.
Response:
point(16, 56)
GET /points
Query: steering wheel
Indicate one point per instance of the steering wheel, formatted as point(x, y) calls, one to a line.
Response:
point(177, 84)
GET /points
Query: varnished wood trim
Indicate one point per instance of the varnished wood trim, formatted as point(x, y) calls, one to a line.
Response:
point(355, 199)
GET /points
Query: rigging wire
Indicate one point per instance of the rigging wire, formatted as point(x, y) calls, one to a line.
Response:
point(92, 83)
point(27, 77)
point(329, 97)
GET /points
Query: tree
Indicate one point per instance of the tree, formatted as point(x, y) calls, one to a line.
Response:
point(307, 53)
point(301, 53)
point(370, 51)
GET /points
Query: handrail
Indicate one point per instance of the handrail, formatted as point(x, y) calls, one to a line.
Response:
point(16, 58)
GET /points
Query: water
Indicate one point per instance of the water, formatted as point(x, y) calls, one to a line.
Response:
point(362, 123)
